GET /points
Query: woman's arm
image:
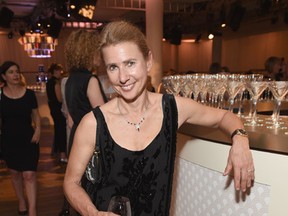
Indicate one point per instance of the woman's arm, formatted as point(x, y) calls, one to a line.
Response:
point(240, 160)
point(57, 89)
point(94, 93)
point(37, 124)
point(81, 152)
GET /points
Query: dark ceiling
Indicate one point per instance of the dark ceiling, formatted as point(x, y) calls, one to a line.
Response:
point(186, 16)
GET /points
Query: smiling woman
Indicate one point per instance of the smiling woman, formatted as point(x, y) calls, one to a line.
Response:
point(137, 134)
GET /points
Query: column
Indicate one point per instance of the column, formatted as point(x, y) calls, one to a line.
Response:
point(217, 49)
point(154, 35)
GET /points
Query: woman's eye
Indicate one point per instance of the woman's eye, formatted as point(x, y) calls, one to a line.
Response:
point(131, 63)
point(111, 67)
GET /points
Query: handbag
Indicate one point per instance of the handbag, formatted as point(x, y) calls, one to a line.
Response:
point(93, 170)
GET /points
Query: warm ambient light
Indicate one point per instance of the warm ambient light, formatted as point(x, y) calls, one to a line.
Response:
point(87, 11)
point(210, 36)
point(184, 40)
point(38, 45)
point(188, 40)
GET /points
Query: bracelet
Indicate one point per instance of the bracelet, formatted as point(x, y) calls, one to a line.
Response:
point(240, 132)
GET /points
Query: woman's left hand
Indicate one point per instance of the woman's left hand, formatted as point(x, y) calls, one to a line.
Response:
point(240, 162)
point(36, 135)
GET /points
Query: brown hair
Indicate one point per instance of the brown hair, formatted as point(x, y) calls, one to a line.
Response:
point(53, 67)
point(270, 62)
point(81, 49)
point(122, 31)
point(4, 68)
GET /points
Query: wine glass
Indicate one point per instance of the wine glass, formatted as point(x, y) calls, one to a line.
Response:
point(233, 88)
point(279, 89)
point(242, 78)
point(197, 83)
point(255, 88)
point(120, 205)
point(167, 85)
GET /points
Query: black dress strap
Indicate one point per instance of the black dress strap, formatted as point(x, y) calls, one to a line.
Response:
point(89, 187)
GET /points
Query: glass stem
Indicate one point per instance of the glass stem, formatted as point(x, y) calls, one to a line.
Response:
point(277, 112)
point(231, 102)
point(240, 95)
point(254, 111)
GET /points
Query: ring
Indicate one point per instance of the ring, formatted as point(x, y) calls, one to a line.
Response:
point(249, 170)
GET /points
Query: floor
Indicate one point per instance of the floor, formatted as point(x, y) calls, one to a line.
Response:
point(50, 179)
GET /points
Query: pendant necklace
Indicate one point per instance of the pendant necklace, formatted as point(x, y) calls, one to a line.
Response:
point(136, 125)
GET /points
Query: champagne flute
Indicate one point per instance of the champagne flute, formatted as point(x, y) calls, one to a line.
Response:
point(120, 205)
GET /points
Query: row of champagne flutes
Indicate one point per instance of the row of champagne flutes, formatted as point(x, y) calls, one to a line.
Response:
point(220, 89)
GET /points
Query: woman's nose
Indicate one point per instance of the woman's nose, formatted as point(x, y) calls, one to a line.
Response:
point(123, 75)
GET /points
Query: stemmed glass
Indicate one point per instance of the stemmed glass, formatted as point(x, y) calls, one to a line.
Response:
point(233, 87)
point(197, 83)
point(120, 205)
point(177, 81)
point(279, 89)
point(250, 78)
point(242, 78)
point(167, 85)
point(186, 89)
point(255, 88)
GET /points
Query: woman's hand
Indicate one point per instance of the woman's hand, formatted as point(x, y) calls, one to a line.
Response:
point(36, 135)
point(240, 162)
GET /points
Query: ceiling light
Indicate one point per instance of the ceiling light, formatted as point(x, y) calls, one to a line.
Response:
point(38, 45)
point(210, 36)
point(87, 11)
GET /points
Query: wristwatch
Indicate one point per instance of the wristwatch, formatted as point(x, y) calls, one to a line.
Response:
point(240, 132)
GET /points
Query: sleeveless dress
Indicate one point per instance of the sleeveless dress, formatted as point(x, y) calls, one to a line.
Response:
point(145, 176)
point(60, 141)
point(77, 102)
point(17, 131)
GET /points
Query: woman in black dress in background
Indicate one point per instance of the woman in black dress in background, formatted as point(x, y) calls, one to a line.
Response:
point(53, 90)
point(19, 136)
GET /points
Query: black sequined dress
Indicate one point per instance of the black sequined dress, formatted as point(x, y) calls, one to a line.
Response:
point(145, 177)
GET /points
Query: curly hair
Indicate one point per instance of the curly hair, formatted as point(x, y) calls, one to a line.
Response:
point(82, 49)
point(122, 31)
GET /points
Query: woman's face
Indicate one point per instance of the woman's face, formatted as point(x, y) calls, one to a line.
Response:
point(277, 66)
point(127, 68)
point(12, 75)
point(57, 73)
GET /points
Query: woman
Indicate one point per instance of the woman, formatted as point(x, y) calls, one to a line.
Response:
point(273, 66)
point(53, 90)
point(83, 90)
point(20, 137)
point(137, 132)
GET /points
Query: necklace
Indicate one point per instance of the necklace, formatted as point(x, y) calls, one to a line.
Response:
point(136, 125)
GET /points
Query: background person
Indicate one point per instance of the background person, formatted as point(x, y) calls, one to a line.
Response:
point(20, 135)
point(53, 90)
point(83, 90)
point(273, 66)
point(137, 132)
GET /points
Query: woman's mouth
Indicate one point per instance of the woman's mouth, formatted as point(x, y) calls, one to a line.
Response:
point(127, 87)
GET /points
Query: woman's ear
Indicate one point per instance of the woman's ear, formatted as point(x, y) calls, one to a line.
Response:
point(149, 61)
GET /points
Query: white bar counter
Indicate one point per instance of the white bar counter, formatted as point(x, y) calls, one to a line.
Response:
point(200, 188)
